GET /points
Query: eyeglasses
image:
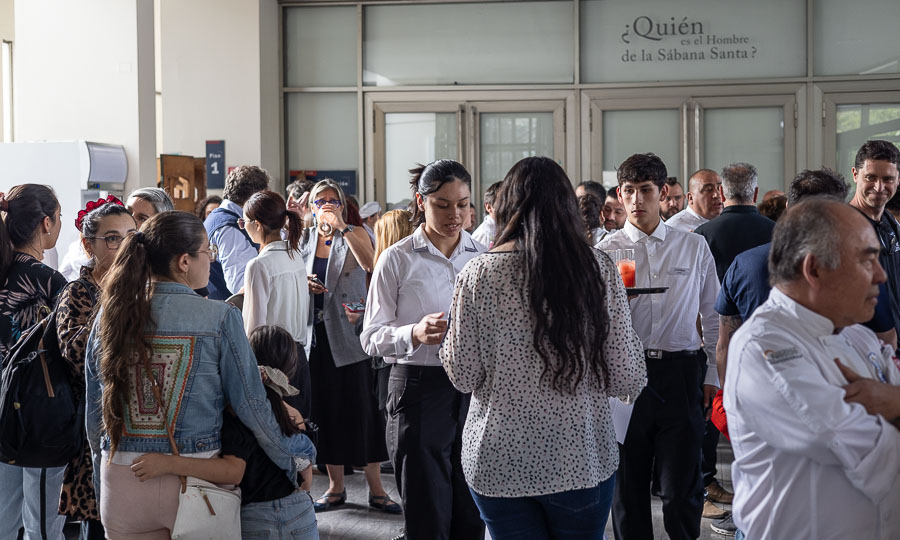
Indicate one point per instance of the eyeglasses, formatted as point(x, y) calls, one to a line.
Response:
point(322, 202)
point(212, 252)
point(242, 223)
point(113, 241)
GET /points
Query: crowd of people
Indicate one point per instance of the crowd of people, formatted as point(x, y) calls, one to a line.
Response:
point(509, 377)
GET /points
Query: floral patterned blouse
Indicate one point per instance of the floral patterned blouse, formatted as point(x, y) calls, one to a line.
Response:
point(28, 296)
point(521, 437)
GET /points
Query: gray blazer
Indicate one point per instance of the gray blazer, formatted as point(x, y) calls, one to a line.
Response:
point(346, 282)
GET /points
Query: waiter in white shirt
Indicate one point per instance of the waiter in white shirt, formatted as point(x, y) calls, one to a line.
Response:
point(666, 427)
point(807, 463)
point(704, 201)
point(405, 322)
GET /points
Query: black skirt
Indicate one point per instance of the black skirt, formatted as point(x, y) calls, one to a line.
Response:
point(351, 429)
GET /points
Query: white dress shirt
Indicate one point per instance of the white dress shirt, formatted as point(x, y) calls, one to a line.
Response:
point(687, 220)
point(235, 251)
point(484, 233)
point(411, 279)
point(598, 234)
point(681, 261)
point(808, 464)
point(276, 291)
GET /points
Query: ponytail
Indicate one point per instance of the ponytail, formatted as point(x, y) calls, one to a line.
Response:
point(269, 210)
point(125, 296)
point(24, 208)
point(294, 227)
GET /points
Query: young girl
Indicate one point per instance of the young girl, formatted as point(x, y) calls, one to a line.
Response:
point(269, 502)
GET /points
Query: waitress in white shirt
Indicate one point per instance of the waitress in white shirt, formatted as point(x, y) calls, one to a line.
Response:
point(405, 321)
point(275, 287)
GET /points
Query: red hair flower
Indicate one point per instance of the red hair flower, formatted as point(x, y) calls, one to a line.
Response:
point(93, 205)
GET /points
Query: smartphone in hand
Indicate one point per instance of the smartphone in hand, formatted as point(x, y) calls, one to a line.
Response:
point(355, 307)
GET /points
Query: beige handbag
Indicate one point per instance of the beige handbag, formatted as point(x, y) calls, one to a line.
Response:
point(206, 511)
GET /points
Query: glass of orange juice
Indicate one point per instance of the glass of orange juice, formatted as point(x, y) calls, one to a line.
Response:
point(625, 264)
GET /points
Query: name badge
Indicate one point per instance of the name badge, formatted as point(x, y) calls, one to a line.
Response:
point(784, 355)
point(675, 271)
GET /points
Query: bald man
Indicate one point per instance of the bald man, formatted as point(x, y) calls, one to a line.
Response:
point(704, 201)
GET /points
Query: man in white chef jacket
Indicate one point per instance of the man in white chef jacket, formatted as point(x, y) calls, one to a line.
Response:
point(807, 463)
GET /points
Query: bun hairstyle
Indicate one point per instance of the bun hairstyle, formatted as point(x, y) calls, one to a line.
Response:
point(125, 298)
point(426, 179)
point(24, 207)
point(269, 210)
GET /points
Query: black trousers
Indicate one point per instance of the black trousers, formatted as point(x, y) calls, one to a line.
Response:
point(426, 416)
point(666, 432)
point(302, 401)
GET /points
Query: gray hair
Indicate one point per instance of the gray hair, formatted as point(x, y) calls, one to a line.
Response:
point(155, 196)
point(739, 182)
point(321, 186)
point(810, 228)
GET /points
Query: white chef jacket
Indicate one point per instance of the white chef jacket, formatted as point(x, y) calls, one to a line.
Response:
point(276, 291)
point(681, 261)
point(411, 279)
point(687, 220)
point(808, 464)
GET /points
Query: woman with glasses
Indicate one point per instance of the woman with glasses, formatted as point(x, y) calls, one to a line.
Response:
point(351, 432)
point(194, 350)
point(275, 287)
point(540, 333)
point(28, 292)
point(103, 225)
point(405, 322)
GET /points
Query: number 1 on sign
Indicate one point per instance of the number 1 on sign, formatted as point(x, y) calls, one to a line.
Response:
point(215, 167)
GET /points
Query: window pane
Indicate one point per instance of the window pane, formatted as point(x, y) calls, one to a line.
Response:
point(649, 40)
point(856, 38)
point(528, 42)
point(508, 137)
point(858, 123)
point(753, 135)
point(320, 46)
point(321, 131)
point(411, 138)
point(631, 132)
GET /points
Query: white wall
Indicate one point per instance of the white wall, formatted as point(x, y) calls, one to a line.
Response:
point(84, 70)
point(219, 79)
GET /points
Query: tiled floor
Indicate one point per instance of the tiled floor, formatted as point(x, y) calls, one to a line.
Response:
point(355, 520)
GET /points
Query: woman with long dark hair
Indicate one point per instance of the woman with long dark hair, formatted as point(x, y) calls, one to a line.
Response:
point(351, 432)
point(275, 287)
point(152, 329)
point(28, 293)
point(540, 333)
point(103, 225)
point(405, 320)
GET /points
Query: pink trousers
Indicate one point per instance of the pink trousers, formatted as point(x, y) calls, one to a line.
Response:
point(131, 509)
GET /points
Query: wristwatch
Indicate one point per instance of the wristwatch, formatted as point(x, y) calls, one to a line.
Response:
point(346, 230)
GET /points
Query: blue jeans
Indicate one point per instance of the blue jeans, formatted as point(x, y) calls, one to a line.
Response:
point(290, 517)
point(581, 514)
point(21, 502)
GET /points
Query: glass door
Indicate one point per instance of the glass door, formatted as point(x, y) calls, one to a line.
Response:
point(411, 133)
point(503, 132)
point(853, 118)
point(759, 130)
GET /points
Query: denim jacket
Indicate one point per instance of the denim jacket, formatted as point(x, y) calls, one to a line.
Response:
point(203, 361)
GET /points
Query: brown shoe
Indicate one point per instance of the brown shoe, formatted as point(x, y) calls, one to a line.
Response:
point(712, 511)
point(716, 493)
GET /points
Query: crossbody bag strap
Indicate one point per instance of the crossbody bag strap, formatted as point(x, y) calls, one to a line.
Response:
point(158, 395)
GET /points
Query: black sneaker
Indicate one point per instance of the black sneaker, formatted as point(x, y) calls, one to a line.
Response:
point(401, 536)
point(724, 526)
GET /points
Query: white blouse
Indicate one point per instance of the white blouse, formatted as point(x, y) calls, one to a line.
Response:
point(412, 279)
point(276, 291)
point(521, 437)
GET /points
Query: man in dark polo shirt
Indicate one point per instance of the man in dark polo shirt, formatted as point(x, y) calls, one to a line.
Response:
point(875, 172)
point(740, 226)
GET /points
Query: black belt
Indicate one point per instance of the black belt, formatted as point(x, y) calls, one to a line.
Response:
point(658, 354)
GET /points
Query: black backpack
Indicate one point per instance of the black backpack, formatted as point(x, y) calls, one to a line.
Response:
point(41, 419)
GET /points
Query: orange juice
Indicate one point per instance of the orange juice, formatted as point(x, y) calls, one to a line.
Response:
point(626, 270)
